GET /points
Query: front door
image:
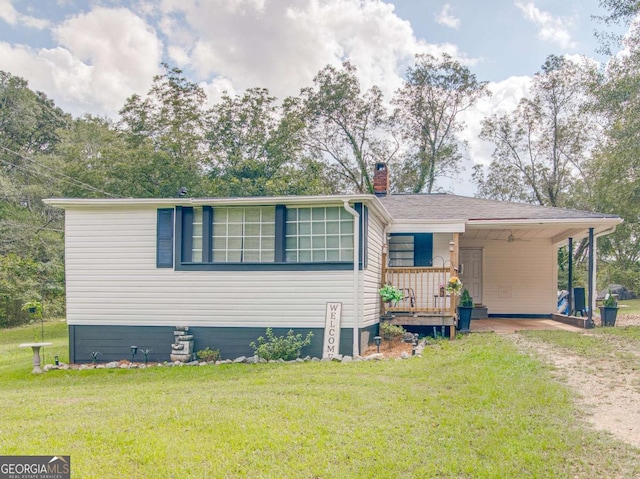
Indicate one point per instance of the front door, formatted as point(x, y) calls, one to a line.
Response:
point(471, 272)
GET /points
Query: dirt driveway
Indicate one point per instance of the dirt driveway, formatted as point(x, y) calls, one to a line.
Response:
point(606, 389)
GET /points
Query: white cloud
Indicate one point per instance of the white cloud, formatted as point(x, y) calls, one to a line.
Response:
point(8, 13)
point(102, 57)
point(551, 29)
point(445, 18)
point(505, 96)
point(217, 88)
point(282, 45)
point(13, 17)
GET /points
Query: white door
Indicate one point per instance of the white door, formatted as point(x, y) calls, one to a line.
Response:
point(471, 272)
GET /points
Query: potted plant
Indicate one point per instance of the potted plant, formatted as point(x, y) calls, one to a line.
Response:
point(390, 294)
point(454, 286)
point(465, 308)
point(609, 310)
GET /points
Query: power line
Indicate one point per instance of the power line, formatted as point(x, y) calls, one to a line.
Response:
point(26, 225)
point(86, 186)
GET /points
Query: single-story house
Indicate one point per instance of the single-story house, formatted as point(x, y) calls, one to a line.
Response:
point(228, 268)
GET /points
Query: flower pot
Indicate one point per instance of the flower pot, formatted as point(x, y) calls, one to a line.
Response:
point(608, 316)
point(464, 318)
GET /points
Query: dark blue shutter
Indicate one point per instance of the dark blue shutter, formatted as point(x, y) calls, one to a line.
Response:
point(363, 234)
point(164, 233)
point(423, 249)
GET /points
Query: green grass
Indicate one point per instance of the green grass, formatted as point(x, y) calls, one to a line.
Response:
point(584, 345)
point(11, 355)
point(631, 333)
point(629, 306)
point(471, 408)
point(599, 343)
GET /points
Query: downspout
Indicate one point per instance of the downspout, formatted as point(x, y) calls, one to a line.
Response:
point(356, 282)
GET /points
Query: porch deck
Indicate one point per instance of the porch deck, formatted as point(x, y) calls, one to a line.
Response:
point(436, 321)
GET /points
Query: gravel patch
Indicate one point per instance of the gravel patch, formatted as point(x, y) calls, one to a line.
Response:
point(605, 390)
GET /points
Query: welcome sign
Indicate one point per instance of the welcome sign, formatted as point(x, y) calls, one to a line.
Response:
point(333, 317)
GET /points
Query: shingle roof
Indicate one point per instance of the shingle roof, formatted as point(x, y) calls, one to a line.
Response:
point(453, 207)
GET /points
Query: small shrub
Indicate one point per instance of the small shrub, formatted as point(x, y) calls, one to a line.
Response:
point(465, 299)
point(208, 354)
point(391, 332)
point(610, 301)
point(282, 347)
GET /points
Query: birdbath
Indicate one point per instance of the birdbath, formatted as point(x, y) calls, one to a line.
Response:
point(36, 354)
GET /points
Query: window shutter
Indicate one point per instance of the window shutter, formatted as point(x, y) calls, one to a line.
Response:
point(423, 254)
point(164, 233)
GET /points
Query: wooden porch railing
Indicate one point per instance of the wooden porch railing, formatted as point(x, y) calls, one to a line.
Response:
point(423, 290)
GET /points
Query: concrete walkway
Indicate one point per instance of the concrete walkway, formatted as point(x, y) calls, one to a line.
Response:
point(509, 326)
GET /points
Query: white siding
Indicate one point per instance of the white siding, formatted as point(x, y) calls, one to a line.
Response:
point(373, 273)
point(112, 279)
point(518, 277)
point(441, 255)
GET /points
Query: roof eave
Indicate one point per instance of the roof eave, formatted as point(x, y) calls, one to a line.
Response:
point(338, 200)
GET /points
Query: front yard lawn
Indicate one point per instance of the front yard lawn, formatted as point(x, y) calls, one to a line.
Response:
point(470, 408)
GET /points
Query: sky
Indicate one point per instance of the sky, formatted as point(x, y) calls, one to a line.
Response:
point(89, 56)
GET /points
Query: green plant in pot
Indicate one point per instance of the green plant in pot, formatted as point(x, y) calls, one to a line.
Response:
point(390, 294)
point(465, 308)
point(609, 310)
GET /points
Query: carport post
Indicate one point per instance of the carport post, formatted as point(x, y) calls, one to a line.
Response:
point(591, 263)
point(570, 277)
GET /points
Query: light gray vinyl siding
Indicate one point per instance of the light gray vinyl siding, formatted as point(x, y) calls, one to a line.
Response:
point(372, 275)
point(112, 279)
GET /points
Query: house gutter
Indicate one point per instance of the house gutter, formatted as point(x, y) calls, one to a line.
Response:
point(356, 282)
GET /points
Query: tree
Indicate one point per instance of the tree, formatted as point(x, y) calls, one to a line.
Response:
point(257, 151)
point(436, 91)
point(541, 147)
point(90, 155)
point(615, 167)
point(344, 126)
point(166, 135)
point(619, 13)
point(30, 234)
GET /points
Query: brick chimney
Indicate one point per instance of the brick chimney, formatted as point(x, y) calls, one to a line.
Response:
point(381, 180)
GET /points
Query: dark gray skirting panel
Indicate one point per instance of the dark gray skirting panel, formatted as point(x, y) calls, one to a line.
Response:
point(114, 342)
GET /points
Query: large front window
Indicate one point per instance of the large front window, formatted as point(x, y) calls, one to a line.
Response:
point(244, 235)
point(268, 237)
point(318, 235)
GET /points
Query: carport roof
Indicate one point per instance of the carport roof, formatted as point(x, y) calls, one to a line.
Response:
point(440, 206)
